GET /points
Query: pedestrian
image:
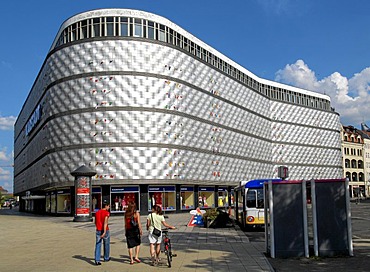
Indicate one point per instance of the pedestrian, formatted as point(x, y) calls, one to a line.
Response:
point(154, 221)
point(102, 233)
point(133, 231)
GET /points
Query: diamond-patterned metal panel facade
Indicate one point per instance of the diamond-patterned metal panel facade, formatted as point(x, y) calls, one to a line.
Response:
point(143, 112)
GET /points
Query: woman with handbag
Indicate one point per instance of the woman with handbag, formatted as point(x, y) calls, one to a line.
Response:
point(154, 222)
point(133, 232)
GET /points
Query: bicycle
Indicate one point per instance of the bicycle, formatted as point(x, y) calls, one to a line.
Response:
point(167, 247)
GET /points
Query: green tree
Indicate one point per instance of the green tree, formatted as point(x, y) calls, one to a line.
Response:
point(2, 199)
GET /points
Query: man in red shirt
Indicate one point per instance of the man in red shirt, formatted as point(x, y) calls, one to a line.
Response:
point(102, 233)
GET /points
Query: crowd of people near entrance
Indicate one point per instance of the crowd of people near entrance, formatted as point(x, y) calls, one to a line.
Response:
point(133, 233)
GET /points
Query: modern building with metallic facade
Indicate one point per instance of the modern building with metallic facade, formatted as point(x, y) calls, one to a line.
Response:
point(162, 118)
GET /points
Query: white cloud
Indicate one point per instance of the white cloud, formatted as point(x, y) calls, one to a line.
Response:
point(6, 178)
point(285, 7)
point(6, 64)
point(4, 156)
point(349, 97)
point(4, 173)
point(275, 6)
point(297, 74)
point(7, 186)
point(7, 123)
point(359, 83)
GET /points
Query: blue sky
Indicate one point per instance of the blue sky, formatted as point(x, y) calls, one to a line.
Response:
point(313, 44)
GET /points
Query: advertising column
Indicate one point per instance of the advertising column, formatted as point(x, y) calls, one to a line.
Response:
point(83, 190)
point(82, 198)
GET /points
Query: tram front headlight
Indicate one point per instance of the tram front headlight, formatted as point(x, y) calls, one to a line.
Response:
point(250, 219)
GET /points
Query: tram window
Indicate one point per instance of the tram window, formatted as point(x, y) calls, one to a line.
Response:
point(260, 200)
point(255, 198)
point(251, 199)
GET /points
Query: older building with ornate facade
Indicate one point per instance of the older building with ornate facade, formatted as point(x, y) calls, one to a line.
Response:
point(353, 148)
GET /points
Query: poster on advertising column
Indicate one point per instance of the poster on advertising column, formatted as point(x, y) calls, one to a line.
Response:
point(83, 196)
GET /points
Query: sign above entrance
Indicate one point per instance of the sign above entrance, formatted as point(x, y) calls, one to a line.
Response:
point(162, 188)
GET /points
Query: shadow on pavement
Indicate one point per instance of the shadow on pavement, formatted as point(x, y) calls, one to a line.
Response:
point(86, 259)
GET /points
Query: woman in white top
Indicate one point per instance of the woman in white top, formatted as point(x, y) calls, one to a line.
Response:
point(156, 220)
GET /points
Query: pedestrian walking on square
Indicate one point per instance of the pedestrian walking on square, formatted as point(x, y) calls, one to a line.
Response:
point(155, 220)
point(102, 233)
point(133, 232)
